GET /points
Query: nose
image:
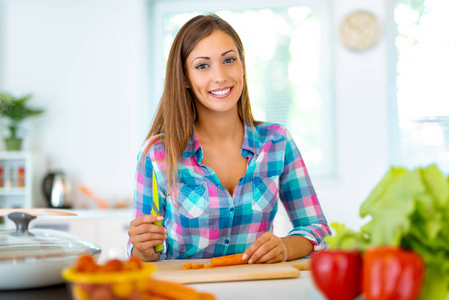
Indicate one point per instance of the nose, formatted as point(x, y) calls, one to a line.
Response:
point(219, 74)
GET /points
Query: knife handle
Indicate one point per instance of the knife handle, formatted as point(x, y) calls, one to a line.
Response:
point(155, 208)
point(158, 248)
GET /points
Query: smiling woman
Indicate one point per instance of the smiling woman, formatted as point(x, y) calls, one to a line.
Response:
point(287, 49)
point(219, 173)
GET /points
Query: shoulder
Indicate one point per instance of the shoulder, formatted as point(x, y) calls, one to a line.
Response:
point(153, 148)
point(271, 132)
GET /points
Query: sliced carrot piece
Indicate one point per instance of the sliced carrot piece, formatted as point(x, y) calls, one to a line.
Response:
point(197, 266)
point(228, 260)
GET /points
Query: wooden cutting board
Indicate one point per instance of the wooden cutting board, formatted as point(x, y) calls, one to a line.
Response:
point(171, 270)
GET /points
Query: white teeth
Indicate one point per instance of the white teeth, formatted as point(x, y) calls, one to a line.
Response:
point(219, 93)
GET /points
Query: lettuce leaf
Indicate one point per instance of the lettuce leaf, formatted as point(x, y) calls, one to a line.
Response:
point(345, 238)
point(391, 209)
point(407, 208)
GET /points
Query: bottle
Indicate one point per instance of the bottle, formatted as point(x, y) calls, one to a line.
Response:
point(7, 182)
point(20, 176)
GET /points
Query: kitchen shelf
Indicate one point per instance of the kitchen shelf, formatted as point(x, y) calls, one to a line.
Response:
point(14, 155)
point(12, 194)
point(13, 191)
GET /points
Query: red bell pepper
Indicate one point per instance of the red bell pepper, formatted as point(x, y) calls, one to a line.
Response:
point(336, 273)
point(392, 273)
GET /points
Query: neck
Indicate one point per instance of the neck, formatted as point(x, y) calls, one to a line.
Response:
point(213, 128)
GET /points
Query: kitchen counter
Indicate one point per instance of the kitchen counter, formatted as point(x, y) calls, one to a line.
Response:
point(285, 289)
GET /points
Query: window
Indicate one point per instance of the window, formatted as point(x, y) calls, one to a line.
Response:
point(288, 65)
point(422, 73)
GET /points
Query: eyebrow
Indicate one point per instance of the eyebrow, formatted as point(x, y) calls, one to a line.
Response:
point(206, 57)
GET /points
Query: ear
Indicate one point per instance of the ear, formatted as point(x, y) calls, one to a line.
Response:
point(186, 84)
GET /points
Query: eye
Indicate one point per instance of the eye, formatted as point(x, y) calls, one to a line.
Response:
point(201, 66)
point(229, 60)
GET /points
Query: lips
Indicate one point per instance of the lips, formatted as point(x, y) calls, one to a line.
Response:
point(221, 93)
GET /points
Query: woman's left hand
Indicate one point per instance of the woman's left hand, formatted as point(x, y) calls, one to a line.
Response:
point(268, 248)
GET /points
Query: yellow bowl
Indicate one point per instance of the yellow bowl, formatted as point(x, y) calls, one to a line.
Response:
point(105, 285)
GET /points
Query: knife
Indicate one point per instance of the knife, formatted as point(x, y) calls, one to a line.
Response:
point(155, 208)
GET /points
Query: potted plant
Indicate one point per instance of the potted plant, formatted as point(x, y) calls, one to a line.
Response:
point(15, 109)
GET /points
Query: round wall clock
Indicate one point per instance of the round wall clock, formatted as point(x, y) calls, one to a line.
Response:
point(360, 30)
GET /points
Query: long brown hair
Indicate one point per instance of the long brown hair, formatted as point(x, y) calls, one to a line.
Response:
point(177, 113)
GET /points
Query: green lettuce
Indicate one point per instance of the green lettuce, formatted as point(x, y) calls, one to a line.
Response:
point(345, 238)
point(410, 209)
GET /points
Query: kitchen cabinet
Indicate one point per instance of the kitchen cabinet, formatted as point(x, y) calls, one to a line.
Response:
point(19, 179)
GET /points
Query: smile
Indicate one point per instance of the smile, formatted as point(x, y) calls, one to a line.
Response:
point(220, 93)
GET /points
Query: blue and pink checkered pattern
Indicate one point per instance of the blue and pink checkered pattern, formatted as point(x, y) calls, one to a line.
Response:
point(205, 220)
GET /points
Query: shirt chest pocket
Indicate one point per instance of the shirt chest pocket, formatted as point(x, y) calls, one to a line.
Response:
point(193, 200)
point(264, 193)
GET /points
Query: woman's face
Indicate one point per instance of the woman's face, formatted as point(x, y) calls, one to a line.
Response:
point(215, 73)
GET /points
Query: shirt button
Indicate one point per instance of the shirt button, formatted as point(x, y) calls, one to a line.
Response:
point(227, 242)
point(231, 209)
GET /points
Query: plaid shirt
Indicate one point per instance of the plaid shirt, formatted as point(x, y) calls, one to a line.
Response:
point(206, 221)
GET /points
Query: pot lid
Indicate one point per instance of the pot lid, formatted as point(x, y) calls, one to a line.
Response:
point(23, 244)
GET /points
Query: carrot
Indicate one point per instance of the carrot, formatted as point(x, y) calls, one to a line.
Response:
point(228, 260)
point(197, 266)
point(152, 297)
point(171, 290)
point(206, 296)
point(192, 266)
point(156, 289)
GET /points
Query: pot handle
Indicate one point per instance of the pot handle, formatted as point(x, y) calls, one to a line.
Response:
point(22, 220)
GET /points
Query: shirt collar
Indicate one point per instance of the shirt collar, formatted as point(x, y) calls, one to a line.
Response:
point(250, 143)
point(192, 147)
point(250, 140)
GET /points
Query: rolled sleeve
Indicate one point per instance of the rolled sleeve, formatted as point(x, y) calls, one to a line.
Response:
point(300, 200)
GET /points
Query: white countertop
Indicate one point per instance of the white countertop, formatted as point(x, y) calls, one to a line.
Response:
point(103, 213)
point(277, 289)
point(125, 214)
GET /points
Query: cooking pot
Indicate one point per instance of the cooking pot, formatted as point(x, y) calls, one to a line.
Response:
point(31, 258)
point(56, 189)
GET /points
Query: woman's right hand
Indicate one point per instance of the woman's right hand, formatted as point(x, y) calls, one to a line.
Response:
point(144, 235)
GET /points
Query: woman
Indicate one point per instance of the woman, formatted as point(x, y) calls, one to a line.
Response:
point(219, 173)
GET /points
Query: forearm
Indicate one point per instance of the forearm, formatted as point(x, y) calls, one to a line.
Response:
point(297, 246)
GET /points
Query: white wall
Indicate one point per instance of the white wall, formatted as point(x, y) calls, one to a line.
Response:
point(361, 103)
point(86, 63)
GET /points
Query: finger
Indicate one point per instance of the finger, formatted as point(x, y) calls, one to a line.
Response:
point(145, 228)
point(140, 238)
point(256, 245)
point(148, 246)
point(262, 251)
point(146, 219)
point(274, 255)
point(275, 260)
